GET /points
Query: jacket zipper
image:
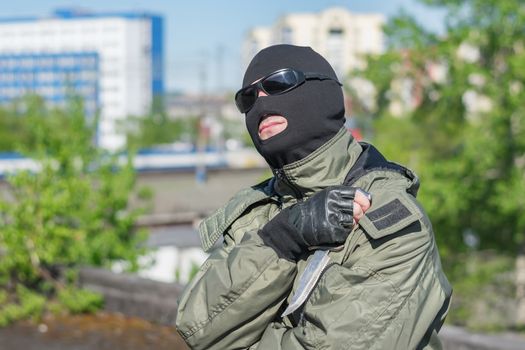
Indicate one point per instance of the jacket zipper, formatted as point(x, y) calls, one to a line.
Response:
point(281, 175)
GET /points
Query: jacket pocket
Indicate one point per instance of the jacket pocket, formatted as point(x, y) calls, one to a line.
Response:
point(349, 305)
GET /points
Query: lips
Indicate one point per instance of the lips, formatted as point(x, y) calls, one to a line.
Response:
point(270, 120)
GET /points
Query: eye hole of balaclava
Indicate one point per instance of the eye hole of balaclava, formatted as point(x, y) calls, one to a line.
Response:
point(314, 110)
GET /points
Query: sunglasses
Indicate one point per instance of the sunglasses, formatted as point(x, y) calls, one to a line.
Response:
point(276, 83)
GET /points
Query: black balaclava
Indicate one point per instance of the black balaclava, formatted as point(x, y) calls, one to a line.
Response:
point(314, 110)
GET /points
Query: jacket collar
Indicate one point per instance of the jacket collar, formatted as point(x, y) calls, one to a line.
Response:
point(327, 166)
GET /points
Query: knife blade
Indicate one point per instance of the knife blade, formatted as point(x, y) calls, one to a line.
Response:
point(308, 280)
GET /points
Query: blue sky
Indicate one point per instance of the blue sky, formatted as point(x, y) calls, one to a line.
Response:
point(196, 31)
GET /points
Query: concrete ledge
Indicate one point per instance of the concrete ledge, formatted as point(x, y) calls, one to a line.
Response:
point(456, 338)
point(168, 219)
point(133, 295)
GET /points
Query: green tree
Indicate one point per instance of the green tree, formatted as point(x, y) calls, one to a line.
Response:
point(13, 128)
point(463, 123)
point(157, 128)
point(72, 211)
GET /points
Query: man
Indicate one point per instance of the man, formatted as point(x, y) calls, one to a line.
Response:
point(383, 287)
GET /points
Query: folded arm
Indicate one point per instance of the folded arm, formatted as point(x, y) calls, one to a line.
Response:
point(235, 296)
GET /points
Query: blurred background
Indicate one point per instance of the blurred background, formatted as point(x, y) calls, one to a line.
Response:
point(118, 134)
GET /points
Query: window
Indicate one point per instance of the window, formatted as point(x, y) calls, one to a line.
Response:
point(335, 45)
point(287, 35)
point(335, 31)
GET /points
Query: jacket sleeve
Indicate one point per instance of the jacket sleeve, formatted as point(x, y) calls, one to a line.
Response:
point(388, 294)
point(235, 295)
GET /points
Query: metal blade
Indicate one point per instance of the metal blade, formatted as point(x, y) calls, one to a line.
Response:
point(308, 280)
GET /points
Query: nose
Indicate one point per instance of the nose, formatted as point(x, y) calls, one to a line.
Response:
point(261, 93)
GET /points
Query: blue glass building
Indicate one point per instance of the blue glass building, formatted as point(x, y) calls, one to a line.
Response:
point(52, 76)
point(114, 61)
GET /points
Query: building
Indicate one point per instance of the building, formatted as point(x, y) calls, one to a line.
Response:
point(341, 36)
point(51, 75)
point(113, 60)
point(219, 106)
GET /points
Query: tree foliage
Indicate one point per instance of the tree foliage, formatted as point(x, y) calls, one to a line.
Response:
point(13, 129)
point(451, 107)
point(460, 118)
point(157, 128)
point(72, 211)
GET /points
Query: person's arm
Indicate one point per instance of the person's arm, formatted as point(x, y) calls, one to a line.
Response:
point(389, 294)
point(240, 288)
point(235, 295)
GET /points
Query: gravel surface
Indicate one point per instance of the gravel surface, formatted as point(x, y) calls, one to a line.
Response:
point(102, 331)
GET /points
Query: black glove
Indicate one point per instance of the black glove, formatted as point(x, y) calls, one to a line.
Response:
point(324, 219)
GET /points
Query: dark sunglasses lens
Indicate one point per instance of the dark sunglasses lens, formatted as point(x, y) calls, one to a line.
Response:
point(245, 99)
point(279, 82)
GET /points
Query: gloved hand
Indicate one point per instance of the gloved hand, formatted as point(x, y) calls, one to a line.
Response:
point(325, 219)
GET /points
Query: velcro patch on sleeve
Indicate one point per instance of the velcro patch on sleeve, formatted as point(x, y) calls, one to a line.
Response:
point(212, 228)
point(390, 215)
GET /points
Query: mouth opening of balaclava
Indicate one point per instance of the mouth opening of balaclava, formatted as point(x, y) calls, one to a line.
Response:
point(314, 110)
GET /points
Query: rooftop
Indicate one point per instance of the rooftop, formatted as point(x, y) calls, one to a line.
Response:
point(80, 13)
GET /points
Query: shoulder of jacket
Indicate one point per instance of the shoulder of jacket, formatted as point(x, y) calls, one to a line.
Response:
point(392, 211)
point(213, 227)
point(372, 167)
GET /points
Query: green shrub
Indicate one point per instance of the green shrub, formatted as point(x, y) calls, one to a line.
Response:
point(72, 211)
point(80, 300)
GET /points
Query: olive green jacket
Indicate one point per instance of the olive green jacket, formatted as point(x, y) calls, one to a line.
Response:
point(385, 289)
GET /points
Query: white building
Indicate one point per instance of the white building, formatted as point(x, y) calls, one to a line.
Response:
point(114, 60)
point(341, 36)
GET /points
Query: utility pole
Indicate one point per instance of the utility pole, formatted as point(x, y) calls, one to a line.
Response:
point(220, 97)
point(219, 67)
point(200, 169)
